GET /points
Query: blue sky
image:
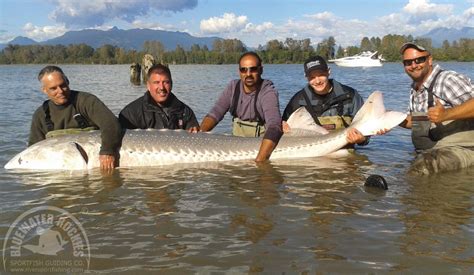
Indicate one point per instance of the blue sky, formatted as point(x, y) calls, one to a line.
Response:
point(253, 22)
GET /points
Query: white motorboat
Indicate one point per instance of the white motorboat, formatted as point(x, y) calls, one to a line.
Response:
point(364, 59)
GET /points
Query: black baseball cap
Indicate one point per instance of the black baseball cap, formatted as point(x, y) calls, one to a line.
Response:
point(315, 63)
point(412, 45)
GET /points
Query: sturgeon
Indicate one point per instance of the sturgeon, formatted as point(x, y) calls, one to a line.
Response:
point(154, 147)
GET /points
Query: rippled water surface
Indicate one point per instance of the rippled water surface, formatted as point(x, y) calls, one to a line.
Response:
point(295, 216)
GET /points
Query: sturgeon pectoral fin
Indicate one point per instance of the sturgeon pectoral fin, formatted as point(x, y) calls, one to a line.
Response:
point(302, 119)
point(74, 156)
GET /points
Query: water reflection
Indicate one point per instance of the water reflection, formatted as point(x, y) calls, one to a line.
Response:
point(292, 216)
point(438, 218)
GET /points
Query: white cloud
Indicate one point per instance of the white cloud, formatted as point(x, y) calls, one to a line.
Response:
point(139, 24)
point(43, 33)
point(229, 22)
point(424, 6)
point(416, 18)
point(469, 13)
point(423, 10)
point(252, 28)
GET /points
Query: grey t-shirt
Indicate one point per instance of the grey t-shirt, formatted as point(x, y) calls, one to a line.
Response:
point(267, 106)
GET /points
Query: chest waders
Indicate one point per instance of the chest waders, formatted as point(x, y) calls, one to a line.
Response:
point(81, 121)
point(244, 128)
point(420, 129)
point(329, 122)
point(425, 135)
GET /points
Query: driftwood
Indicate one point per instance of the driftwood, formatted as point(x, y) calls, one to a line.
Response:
point(135, 71)
point(147, 62)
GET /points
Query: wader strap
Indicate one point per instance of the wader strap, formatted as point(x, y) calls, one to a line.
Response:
point(323, 107)
point(81, 121)
point(430, 90)
point(235, 102)
point(47, 116)
point(310, 109)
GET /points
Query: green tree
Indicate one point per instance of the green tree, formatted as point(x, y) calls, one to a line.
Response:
point(155, 48)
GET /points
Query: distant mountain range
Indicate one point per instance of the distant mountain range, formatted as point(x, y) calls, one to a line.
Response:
point(127, 39)
point(438, 35)
point(134, 38)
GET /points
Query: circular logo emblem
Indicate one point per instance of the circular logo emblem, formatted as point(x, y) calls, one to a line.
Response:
point(46, 239)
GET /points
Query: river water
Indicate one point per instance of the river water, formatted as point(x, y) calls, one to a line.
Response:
point(297, 216)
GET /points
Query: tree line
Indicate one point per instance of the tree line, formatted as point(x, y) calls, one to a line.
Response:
point(228, 51)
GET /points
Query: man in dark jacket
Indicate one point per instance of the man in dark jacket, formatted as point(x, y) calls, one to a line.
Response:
point(158, 108)
point(331, 104)
point(68, 112)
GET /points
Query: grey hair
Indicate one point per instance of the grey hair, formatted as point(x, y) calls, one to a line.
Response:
point(52, 69)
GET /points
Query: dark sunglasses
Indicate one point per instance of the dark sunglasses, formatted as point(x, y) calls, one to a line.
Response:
point(253, 69)
point(418, 60)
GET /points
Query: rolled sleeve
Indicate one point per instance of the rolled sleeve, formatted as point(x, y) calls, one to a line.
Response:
point(222, 105)
point(270, 110)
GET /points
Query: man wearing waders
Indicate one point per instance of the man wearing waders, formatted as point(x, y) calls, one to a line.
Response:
point(441, 113)
point(253, 104)
point(332, 105)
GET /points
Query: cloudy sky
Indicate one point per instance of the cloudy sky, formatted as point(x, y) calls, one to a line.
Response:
point(252, 21)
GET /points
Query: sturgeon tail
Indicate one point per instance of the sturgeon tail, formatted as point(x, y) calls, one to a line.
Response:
point(372, 116)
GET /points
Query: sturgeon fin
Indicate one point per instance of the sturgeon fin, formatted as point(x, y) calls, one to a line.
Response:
point(74, 156)
point(372, 116)
point(302, 124)
point(82, 152)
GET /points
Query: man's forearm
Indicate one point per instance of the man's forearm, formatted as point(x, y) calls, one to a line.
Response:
point(266, 148)
point(463, 111)
point(207, 124)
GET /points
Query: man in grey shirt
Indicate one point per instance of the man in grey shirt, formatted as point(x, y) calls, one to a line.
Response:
point(253, 103)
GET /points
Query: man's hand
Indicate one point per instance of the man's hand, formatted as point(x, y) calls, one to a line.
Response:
point(107, 162)
point(437, 113)
point(193, 130)
point(354, 136)
point(382, 132)
point(285, 127)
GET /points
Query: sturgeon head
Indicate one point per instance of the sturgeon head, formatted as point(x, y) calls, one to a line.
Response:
point(59, 153)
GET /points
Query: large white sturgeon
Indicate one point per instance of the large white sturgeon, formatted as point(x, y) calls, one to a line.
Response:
point(166, 147)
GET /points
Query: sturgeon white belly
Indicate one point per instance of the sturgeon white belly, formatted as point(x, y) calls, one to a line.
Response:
point(165, 147)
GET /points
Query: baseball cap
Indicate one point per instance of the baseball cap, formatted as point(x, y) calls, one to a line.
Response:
point(412, 45)
point(315, 63)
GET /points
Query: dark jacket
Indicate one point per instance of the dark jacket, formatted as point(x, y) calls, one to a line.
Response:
point(350, 104)
point(94, 112)
point(144, 113)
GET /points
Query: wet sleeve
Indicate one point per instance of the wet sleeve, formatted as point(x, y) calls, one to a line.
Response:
point(111, 132)
point(38, 128)
point(222, 105)
point(271, 114)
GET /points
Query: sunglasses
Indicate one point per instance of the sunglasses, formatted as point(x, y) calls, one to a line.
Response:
point(418, 60)
point(253, 69)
